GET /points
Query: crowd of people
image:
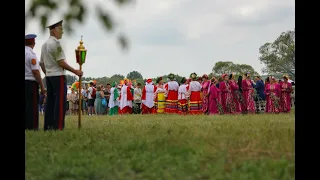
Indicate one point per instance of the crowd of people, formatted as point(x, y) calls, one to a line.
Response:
point(195, 95)
point(223, 95)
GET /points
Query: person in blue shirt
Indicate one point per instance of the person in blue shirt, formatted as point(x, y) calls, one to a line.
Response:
point(259, 86)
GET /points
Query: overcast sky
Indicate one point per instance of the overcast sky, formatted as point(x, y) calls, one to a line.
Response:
point(178, 36)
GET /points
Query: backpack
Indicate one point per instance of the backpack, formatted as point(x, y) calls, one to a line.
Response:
point(93, 95)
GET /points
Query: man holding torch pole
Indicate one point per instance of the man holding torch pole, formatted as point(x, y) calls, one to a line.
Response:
point(53, 64)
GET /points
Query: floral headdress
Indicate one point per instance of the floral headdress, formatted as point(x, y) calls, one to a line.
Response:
point(193, 76)
point(171, 76)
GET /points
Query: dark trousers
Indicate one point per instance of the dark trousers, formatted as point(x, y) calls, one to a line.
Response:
point(55, 108)
point(31, 96)
point(136, 108)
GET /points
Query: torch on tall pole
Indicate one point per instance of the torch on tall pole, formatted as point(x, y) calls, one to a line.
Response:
point(81, 53)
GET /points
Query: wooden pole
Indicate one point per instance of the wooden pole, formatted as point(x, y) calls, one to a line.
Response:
point(80, 103)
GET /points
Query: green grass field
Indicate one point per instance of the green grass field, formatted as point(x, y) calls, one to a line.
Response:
point(240, 147)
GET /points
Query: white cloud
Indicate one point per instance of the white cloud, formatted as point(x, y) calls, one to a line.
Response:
point(180, 36)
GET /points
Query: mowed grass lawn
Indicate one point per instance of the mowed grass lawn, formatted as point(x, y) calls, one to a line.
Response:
point(240, 147)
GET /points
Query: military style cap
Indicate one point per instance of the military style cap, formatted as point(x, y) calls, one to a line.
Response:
point(52, 26)
point(30, 38)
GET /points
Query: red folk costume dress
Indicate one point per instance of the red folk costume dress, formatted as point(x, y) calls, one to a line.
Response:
point(237, 96)
point(285, 98)
point(125, 99)
point(213, 99)
point(182, 98)
point(159, 99)
point(247, 93)
point(195, 98)
point(147, 98)
point(226, 98)
point(272, 92)
point(205, 89)
point(172, 97)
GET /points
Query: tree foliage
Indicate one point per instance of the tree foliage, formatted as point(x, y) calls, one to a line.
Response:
point(229, 67)
point(279, 56)
point(77, 11)
point(134, 75)
point(222, 67)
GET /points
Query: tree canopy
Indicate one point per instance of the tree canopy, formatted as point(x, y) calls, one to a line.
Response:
point(134, 75)
point(279, 56)
point(229, 67)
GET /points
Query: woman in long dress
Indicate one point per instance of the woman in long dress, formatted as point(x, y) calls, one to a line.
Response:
point(195, 98)
point(113, 100)
point(213, 97)
point(99, 109)
point(171, 88)
point(159, 99)
point(285, 98)
point(248, 94)
point(205, 86)
point(236, 94)
point(272, 91)
point(227, 99)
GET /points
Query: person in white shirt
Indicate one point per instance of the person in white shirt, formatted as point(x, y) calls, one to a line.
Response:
point(90, 99)
point(126, 98)
point(172, 95)
point(148, 98)
point(137, 93)
point(32, 80)
point(113, 100)
point(53, 64)
point(195, 97)
point(183, 97)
